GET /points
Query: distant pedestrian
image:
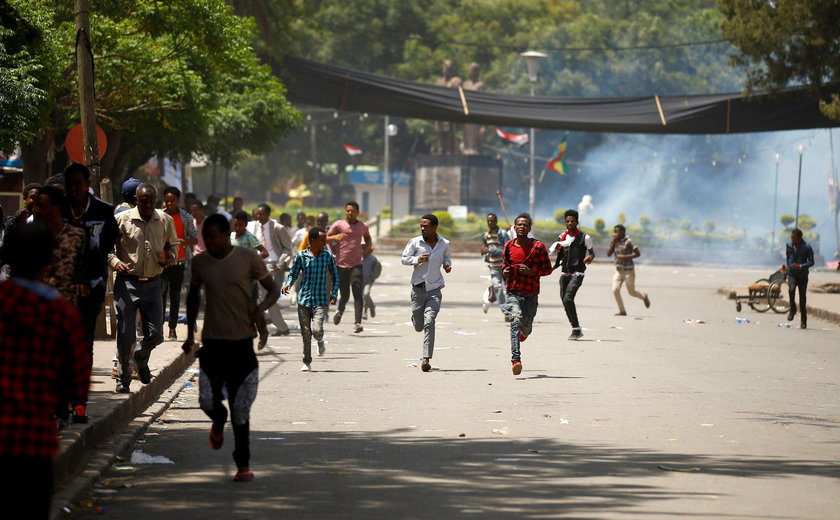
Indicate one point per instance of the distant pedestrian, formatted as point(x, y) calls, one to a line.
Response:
point(29, 193)
point(350, 234)
point(313, 265)
point(212, 207)
point(227, 361)
point(277, 243)
point(575, 253)
point(524, 261)
point(172, 277)
point(427, 253)
point(625, 251)
point(147, 244)
point(241, 237)
point(197, 212)
point(799, 258)
point(129, 194)
point(494, 240)
point(43, 359)
point(371, 269)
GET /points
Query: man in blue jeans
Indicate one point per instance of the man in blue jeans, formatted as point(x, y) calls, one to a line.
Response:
point(799, 258)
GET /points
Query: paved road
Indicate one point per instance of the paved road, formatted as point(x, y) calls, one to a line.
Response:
point(747, 415)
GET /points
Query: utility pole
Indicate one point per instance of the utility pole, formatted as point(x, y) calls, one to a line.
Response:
point(87, 96)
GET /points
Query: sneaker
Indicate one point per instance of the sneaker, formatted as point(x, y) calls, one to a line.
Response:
point(426, 366)
point(216, 441)
point(243, 475)
point(337, 317)
point(522, 337)
point(79, 415)
point(322, 347)
point(263, 339)
point(358, 328)
point(364, 317)
point(373, 311)
point(121, 388)
point(282, 332)
point(485, 306)
point(517, 367)
point(647, 301)
point(306, 367)
point(621, 313)
point(172, 334)
point(576, 334)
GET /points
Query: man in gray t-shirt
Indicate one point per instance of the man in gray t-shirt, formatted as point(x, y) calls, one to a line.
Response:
point(227, 359)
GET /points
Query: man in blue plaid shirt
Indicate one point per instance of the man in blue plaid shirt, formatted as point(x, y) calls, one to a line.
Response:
point(313, 264)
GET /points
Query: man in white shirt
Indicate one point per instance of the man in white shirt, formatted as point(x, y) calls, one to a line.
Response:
point(276, 241)
point(427, 253)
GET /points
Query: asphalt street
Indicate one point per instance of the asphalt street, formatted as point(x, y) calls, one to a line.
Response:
point(648, 416)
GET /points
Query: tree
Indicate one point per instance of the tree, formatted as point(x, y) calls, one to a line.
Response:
point(172, 78)
point(787, 220)
point(600, 225)
point(787, 42)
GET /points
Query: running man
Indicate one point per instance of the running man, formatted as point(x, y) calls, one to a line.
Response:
point(494, 240)
point(427, 253)
point(575, 254)
point(227, 358)
point(524, 261)
point(350, 234)
point(625, 251)
point(313, 264)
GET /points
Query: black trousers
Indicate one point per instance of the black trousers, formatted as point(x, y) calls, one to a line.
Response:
point(172, 278)
point(569, 286)
point(351, 278)
point(798, 282)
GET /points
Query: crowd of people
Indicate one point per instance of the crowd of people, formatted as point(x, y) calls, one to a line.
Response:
point(64, 247)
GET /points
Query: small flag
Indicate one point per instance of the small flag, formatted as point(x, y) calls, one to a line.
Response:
point(557, 163)
point(517, 139)
point(352, 150)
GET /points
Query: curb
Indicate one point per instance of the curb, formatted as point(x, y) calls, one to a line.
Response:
point(83, 454)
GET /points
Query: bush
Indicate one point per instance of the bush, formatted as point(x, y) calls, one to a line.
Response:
point(685, 225)
point(600, 225)
point(294, 204)
point(445, 220)
point(385, 211)
point(472, 217)
point(622, 218)
point(559, 216)
point(787, 220)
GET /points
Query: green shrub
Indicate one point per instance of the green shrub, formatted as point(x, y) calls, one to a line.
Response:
point(294, 204)
point(600, 225)
point(559, 216)
point(445, 220)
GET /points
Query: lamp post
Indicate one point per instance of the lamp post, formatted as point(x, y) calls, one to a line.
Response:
point(390, 131)
point(801, 151)
point(777, 158)
point(533, 58)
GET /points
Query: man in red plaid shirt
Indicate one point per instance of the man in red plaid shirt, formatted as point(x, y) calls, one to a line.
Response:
point(525, 261)
point(44, 360)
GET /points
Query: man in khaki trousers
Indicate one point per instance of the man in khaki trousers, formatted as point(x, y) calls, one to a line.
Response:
point(625, 251)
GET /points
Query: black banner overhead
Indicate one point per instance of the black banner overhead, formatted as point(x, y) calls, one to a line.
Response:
point(328, 86)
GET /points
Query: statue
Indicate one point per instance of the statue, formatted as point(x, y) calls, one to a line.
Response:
point(473, 134)
point(445, 129)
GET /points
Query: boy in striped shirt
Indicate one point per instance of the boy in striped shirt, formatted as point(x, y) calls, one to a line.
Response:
point(313, 265)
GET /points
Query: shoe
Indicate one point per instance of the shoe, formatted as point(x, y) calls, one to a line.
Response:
point(364, 317)
point(79, 415)
point(172, 334)
point(507, 318)
point(337, 317)
point(621, 313)
point(306, 367)
point(358, 328)
point(263, 339)
point(373, 311)
point(803, 325)
point(647, 301)
point(321, 348)
point(425, 366)
point(576, 334)
point(517, 367)
point(216, 441)
point(790, 315)
point(121, 388)
point(282, 333)
point(484, 307)
point(522, 337)
point(243, 475)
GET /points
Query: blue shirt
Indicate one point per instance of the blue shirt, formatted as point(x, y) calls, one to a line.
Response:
point(802, 255)
point(313, 271)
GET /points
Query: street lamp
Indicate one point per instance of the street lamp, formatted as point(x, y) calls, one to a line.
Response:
point(390, 131)
point(801, 151)
point(777, 158)
point(533, 62)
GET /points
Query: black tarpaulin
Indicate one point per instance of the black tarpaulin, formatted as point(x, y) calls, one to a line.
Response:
point(328, 86)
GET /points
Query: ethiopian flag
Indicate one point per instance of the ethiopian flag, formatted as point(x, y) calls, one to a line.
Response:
point(557, 163)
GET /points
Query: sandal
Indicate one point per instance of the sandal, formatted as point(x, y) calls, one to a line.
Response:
point(243, 475)
point(216, 441)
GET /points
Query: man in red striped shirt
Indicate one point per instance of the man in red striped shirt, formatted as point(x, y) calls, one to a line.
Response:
point(44, 360)
point(525, 261)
